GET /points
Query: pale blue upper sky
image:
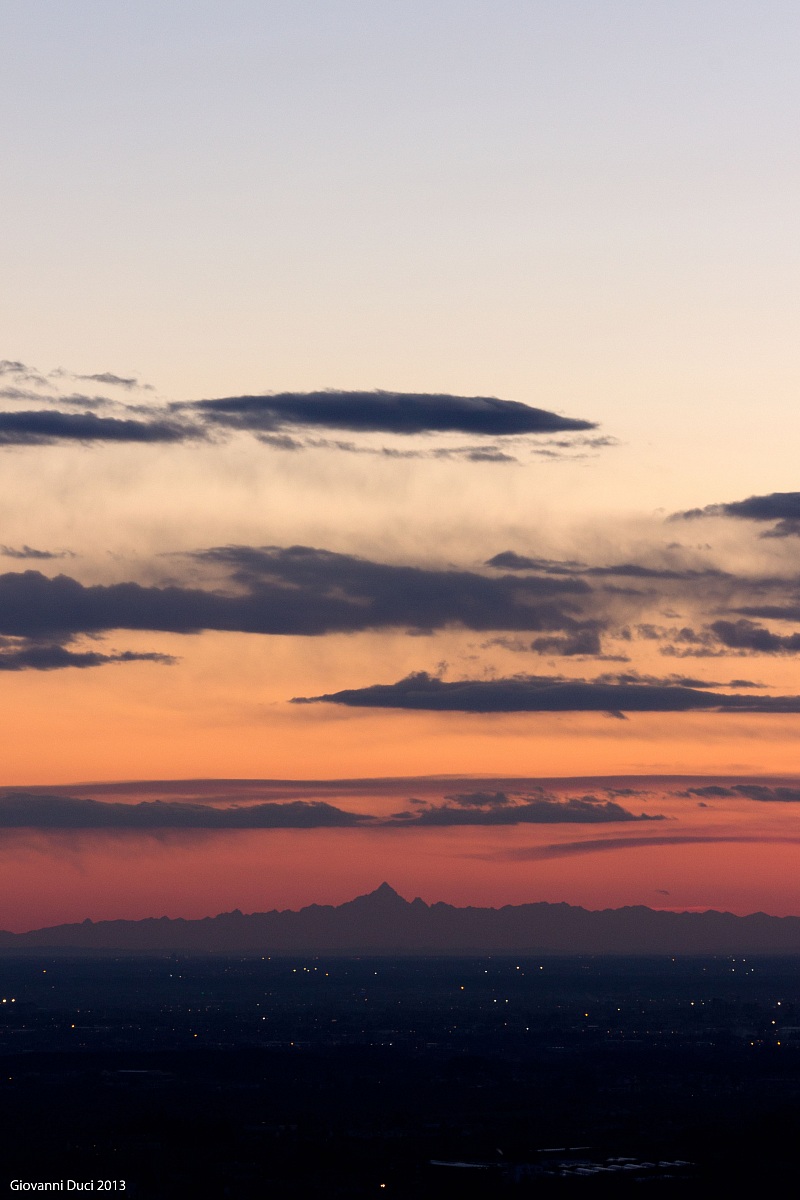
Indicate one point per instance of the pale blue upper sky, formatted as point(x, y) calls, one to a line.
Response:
point(589, 206)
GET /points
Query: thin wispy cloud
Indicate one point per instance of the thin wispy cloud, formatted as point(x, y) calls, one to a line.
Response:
point(71, 399)
point(637, 842)
point(509, 560)
point(31, 552)
point(35, 657)
point(129, 383)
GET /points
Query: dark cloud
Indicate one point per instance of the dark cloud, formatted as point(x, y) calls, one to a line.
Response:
point(721, 638)
point(509, 560)
point(489, 454)
point(24, 810)
point(783, 529)
point(32, 605)
point(749, 791)
point(50, 811)
point(585, 640)
point(780, 507)
point(285, 421)
point(684, 642)
point(298, 590)
point(758, 791)
point(638, 571)
point(772, 612)
point(582, 642)
point(283, 441)
point(746, 635)
point(537, 810)
point(346, 592)
point(479, 799)
point(537, 693)
point(306, 591)
point(32, 552)
point(711, 791)
point(56, 658)
point(774, 507)
point(382, 412)
point(46, 427)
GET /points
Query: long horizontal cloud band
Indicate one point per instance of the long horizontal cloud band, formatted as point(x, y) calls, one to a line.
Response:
point(577, 810)
point(751, 791)
point(534, 805)
point(290, 591)
point(383, 412)
point(24, 810)
point(423, 692)
point(305, 591)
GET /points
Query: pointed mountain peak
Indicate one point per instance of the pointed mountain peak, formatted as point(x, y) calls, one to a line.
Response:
point(383, 896)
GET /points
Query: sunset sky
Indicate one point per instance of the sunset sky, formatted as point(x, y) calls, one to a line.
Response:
point(399, 429)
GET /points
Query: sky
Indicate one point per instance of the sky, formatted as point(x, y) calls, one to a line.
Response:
point(398, 429)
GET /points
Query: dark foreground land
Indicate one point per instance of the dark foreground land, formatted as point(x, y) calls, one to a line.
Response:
point(250, 1077)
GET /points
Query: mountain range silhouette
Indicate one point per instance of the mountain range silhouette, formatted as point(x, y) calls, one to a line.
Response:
point(383, 923)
